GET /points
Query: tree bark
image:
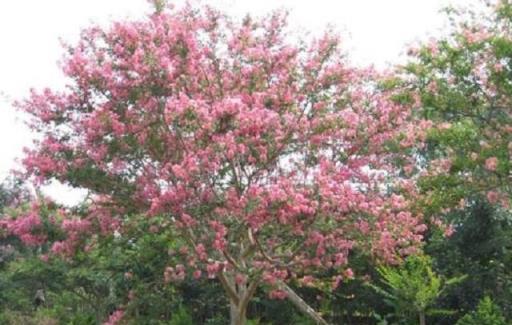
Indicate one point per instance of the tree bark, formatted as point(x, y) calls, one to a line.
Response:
point(237, 314)
point(302, 305)
point(422, 318)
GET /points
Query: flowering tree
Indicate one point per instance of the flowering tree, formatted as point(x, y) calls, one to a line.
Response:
point(268, 160)
point(463, 82)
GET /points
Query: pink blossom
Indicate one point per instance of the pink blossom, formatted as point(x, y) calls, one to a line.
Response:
point(197, 274)
point(278, 294)
point(307, 280)
point(115, 318)
point(336, 282)
point(448, 232)
point(491, 163)
point(240, 278)
point(498, 67)
point(213, 269)
point(492, 197)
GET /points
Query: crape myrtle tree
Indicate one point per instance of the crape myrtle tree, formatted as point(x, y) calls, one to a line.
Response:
point(269, 159)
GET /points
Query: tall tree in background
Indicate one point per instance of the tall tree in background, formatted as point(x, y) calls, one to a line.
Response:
point(481, 248)
point(463, 83)
point(265, 161)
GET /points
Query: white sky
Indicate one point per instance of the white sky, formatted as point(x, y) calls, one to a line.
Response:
point(375, 32)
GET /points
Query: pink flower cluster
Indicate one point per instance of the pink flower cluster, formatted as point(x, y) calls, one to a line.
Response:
point(115, 318)
point(491, 163)
point(28, 227)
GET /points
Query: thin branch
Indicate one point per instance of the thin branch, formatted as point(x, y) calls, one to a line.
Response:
point(231, 260)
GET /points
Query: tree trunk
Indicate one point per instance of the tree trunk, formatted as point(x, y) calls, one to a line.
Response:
point(239, 296)
point(302, 305)
point(422, 318)
point(237, 314)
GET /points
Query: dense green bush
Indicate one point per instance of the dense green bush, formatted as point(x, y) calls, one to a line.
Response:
point(487, 313)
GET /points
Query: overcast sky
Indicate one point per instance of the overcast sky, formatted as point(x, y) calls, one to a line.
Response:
point(375, 32)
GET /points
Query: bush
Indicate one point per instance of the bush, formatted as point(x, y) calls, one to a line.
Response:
point(181, 317)
point(487, 313)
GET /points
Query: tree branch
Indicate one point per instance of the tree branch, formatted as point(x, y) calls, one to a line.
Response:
point(302, 305)
point(248, 295)
point(228, 288)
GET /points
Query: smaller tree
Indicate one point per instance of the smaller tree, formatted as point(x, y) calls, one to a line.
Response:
point(413, 288)
point(487, 314)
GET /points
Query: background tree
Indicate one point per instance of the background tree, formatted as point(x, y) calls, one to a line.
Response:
point(486, 314)
point(480, 247)
point(462, 84)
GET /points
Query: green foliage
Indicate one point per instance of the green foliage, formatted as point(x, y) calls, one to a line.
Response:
point(19, 318)
point(487, 313)
point(117, 271)
point(413, 288)
point(481, 248)
point(181, 317)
